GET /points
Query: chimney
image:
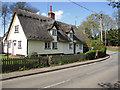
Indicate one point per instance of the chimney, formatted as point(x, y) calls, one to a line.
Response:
point(51, 14)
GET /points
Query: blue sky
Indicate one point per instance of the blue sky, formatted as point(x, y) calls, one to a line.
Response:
point(68, 12)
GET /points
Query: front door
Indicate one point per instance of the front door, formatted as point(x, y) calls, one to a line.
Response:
point(13, 47)
point(74, 48)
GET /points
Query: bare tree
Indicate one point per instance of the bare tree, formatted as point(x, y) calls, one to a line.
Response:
point(23, 5)
point(5, 15)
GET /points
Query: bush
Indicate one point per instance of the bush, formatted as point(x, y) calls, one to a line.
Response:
point(90, 54)
point(34, 54)
point(101, 50)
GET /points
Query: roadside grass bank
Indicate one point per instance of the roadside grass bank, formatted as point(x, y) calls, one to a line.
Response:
point(113, 50)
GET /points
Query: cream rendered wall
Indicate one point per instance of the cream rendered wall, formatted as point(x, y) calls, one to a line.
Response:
point(39, 47)
point(20, 36)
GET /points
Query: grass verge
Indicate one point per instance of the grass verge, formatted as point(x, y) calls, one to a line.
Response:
point(113, 50)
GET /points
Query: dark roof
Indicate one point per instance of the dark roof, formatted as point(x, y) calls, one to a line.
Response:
point(36, 27)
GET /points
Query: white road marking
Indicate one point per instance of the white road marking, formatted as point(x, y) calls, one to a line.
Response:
point(57, 84)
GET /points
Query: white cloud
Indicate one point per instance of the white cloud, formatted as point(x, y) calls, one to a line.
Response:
point(58, 14)
point(38, 13)
point(44, 14)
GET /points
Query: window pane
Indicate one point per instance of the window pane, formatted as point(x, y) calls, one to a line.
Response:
point(70, 46)
point(54, 45)
point(16, 28)
point(19, 44)
point(80, 46)
point(47, 45)
point(54, 32)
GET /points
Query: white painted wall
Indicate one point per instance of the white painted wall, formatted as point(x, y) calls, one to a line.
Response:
point(18, 37)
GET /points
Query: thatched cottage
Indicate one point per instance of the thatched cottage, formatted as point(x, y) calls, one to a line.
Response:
point(30, 32)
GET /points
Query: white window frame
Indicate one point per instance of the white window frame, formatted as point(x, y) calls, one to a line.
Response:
point(9, 44)
point(54, 45)
point(80, 46)
point(19, 44)
point(17, 29)
point(71, 35)
point(54, 32)
point(70, 46)
point(47, 45)
point(14, 42)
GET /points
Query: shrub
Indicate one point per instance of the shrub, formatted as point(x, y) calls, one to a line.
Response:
point(101, 50)
point(90, 54)
point(34, 54)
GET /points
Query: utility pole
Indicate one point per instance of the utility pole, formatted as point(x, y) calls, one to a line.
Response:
point(105, 37)
point(75, 20)
point(101, 28)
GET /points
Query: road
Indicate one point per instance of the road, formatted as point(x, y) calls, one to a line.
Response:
point(86, 76)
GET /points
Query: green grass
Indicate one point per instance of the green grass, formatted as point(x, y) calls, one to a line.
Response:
point(113, 50)
point(3, 57)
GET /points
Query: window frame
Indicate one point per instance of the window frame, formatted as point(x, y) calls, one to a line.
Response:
point(54, 45)
point(54, 32)
point(14, 42)
point(47, 45)
point(70, 46)
point(9, 44)
point(80, 46)
point(17, 29)
point(19, 44)
point(71, 35)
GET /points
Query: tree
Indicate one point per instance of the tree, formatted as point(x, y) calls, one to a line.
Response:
point(117, 5)
point(5, 15)
point(112, 37)
point(24, 6)
point(8, 9)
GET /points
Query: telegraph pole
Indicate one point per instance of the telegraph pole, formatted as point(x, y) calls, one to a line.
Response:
point(101, 28)
point(76, 21)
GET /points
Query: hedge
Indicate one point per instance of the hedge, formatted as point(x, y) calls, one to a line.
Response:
point(90, 54)
point(99, 50)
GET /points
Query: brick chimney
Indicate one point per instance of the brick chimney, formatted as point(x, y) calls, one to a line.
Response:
point(51, 14)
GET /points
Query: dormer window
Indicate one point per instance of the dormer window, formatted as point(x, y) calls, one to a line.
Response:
point(16, 28)
point(71, 35)
point(54, 32)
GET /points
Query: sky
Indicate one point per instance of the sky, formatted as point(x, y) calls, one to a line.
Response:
point(68, 12)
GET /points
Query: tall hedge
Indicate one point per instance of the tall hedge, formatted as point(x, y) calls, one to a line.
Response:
point(90, 54)
point(99, 50)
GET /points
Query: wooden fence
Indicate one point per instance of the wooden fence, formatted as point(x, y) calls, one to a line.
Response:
point(10, 64)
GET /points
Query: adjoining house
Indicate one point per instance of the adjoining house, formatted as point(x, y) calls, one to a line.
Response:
point(0, 45)
point(30, 32)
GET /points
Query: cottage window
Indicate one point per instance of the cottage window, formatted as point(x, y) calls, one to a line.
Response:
point(9, 43)
point(47, 45)
point(80, 46)
point(19, 45)
point(14, 41)
point(70, 46)
point(54, 32)
point(54, 45)
point(71, 35)
point(16, 28)
point(5, 43)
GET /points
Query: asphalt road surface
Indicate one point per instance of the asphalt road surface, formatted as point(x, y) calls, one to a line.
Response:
point(86, 76)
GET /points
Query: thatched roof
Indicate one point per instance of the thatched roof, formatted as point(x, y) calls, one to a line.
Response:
point(36, 27)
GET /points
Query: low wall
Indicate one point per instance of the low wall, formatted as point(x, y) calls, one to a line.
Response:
point(113, 47)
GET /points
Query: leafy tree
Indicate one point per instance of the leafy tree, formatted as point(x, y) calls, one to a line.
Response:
point(112, 37)
point(92, 27)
